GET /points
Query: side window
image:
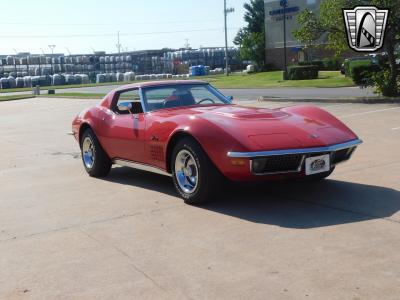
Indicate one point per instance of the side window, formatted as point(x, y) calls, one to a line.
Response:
point(132, 97)
point(201, 93)
point(156, 98)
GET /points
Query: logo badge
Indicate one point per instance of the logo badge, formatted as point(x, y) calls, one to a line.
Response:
point(314, 136)
point(318, 164)
point(365, 27)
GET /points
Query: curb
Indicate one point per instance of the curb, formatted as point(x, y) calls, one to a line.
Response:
point(376, 100)
point(16, 99)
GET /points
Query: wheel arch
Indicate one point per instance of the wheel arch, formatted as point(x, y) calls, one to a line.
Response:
point(84, 126)
point(174, 139)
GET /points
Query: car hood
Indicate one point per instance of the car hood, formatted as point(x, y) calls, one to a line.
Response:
point(269, 129)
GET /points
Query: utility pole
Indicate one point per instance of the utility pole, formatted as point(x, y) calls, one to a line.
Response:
point(52, 54)
point(226, 12)
point(40, 69)
point(69, 52)
point(187, 45)
point(15, 60)
point(118, 44)
point(284, 4)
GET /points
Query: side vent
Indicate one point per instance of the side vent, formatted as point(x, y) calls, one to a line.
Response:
point(157, 152)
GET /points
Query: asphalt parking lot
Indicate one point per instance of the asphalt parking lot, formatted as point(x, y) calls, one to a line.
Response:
point(64, 235)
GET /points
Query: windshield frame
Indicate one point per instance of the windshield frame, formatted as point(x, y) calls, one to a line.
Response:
point(209, 87)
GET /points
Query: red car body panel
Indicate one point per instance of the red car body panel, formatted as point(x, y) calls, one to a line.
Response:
point(145, 137)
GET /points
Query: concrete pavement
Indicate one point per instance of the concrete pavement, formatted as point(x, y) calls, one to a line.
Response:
point(64, 235)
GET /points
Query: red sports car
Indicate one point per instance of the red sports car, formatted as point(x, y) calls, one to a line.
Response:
point(192, 132)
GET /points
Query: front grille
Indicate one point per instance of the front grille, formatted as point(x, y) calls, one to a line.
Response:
point(277, 164)
point(289, 163)
point(341, 155)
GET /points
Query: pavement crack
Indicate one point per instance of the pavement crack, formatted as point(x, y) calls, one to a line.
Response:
point(71, 227)
point(126, 255)
point(113, 218)
point(167, 208)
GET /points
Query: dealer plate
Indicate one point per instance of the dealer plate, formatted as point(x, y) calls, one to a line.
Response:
point(318, 164)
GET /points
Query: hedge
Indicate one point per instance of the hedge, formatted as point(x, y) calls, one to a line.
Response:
point(349, 65)
point(327, 64)
point(302, 72)
point(332, 64)
point(363, 74)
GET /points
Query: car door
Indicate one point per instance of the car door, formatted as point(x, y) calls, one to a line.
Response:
point(127, 128)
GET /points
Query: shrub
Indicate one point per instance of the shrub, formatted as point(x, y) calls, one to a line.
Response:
point(302, 72)
point(327, 64)
point(318, 63)
point(363, 75)
point(384, 85)
point(332, 64)
point(349, 65)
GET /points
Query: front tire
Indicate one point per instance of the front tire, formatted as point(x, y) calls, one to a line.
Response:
point(195, 177)
point(94, 158)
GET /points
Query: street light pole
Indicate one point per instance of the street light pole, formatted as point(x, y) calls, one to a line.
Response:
point(52, 54)
point(118, 43)
point(226, 12)
point(284, 5)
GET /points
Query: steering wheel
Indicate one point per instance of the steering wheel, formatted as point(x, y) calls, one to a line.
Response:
point(206, 99)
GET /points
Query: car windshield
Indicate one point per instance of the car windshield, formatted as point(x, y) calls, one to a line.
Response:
point(171, 96)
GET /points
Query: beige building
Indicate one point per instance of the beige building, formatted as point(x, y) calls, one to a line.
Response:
point(274, 31)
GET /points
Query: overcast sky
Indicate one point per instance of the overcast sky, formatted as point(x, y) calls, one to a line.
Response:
point(28, 26)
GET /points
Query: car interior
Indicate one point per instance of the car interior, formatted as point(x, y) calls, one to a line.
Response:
point(125, 98)
point(136, 108)
point(179, 98)
point(174, 98)
point(158, 99)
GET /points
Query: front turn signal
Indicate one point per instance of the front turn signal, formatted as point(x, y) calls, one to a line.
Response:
point(238, 162)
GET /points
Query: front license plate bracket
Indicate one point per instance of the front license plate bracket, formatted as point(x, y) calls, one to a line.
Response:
point(317, 164)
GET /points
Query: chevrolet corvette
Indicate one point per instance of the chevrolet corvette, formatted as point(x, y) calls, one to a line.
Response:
point(190, 131)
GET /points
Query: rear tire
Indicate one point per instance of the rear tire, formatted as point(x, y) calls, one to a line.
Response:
point(95, 160)
point(195, 177)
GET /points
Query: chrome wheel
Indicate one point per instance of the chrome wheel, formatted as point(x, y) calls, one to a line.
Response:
point(186, 171)
point(88, 152)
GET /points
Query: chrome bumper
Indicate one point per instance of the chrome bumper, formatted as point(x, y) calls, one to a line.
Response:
point(331, 148)
point(292, 160)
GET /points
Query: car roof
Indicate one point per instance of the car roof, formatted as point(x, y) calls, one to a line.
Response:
point(159, 84)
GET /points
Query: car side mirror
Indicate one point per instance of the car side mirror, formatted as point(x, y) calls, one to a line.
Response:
point(126, 106)
point(229, 98)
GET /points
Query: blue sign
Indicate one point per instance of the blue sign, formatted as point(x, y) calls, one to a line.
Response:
point(288, 10)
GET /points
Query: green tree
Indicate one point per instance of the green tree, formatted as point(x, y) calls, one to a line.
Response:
point(251, 38)
point(240, 36)
point(255, 16)
point(253, 47)
point(330, 21)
